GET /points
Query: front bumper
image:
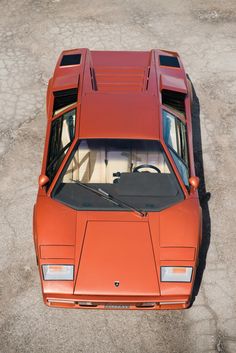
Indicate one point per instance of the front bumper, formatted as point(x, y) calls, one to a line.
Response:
point(117, 303)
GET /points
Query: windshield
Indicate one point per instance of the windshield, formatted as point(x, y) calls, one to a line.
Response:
point(136, 172)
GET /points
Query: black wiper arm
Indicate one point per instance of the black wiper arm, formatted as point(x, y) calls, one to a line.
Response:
point(120, 202)
point(100, 192)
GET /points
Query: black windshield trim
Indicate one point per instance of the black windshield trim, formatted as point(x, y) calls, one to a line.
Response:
point(110, 198)
point(120, 209)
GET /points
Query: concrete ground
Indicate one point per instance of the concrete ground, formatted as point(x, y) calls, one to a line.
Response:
point(32, 34)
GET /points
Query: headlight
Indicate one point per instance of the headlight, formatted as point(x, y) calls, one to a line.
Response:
point(58, 272)
point(176, 274)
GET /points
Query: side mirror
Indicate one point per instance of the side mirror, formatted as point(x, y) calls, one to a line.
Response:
point(194, 182)
point(43, 180)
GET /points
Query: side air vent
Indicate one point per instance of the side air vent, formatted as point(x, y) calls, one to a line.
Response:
point(63, 99)
point(148, 75)
point(170, 61)
point(72, 59)
point(93, 79)
point(173, 100)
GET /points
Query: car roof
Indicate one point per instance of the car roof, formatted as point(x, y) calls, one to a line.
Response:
point(119, 92)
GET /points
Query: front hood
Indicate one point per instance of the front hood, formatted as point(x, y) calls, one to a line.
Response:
point(122, 247)
point(108, 247)
point(117, 259)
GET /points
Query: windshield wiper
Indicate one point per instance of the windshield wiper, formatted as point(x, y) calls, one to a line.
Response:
point(100, 192)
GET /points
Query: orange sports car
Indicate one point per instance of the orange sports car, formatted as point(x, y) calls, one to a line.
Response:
point(117, 221)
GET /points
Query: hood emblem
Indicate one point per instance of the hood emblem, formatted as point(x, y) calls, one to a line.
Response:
point(116, 283)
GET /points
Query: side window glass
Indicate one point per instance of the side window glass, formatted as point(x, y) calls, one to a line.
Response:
point(175, 137)
point(61, 137)
point(183, 170)
point(182, 141)
point(170, 132)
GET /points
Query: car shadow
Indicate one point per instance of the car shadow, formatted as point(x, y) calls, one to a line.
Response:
point(204, 196)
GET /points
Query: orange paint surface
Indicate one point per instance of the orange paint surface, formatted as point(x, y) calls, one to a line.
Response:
point(117, 255)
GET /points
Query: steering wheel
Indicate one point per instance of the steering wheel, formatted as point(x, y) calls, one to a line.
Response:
point(136, 169)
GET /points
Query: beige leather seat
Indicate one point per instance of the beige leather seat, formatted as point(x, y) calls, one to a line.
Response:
point(87, 165)
point(91, 164)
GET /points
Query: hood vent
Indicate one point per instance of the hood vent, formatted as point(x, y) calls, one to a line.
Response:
point(118, 78)
point(72, 59)
point(170, 61)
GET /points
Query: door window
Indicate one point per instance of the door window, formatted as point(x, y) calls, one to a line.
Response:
point(175, 136)
point(61, 137)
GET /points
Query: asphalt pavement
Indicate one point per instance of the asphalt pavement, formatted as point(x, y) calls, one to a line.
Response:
point(32, 34)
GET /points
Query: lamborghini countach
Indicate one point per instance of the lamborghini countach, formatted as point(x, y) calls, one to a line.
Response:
point(117, 220)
